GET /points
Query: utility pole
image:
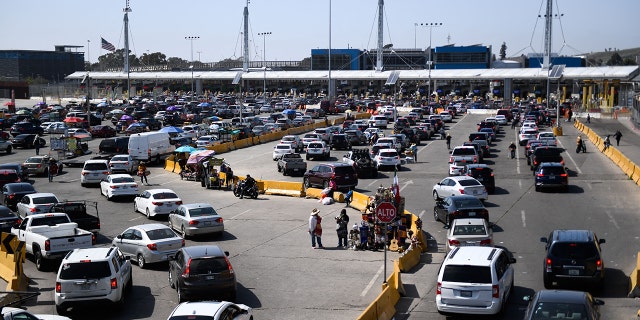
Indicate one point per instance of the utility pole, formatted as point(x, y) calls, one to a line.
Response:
point(429, 61)
point(264, 66)
point(191, 38)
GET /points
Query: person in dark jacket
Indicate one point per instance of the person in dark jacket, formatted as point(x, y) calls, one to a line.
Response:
point(617, 135)
point(342, 223)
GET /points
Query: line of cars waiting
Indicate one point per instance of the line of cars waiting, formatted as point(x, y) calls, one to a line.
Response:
point(477, 277)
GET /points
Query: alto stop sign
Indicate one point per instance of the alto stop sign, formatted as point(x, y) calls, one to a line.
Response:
point(386, 212)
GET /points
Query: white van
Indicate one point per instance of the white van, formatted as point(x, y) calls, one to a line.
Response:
point(149, 146)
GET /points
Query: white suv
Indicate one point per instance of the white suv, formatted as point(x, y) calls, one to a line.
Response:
point(93, 274)
point(474, 280)
point(388, 158)
point(94, 171)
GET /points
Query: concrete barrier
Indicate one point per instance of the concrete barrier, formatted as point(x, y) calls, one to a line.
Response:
point(12, 256)
point(284, 188)
point(383, 307)
point(634, 278)
point(170, 165)
point(359, 201)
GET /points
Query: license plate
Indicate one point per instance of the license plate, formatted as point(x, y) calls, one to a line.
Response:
point(465, 294)
point(475, 192)
point(207, 223)
point(551, 176)
point(95, 174)
point(472, 214)
point(574, 272)
point(86, 286)
point(210, 277)
point(296, 169)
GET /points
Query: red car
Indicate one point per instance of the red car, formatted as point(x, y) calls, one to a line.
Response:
point(102, 131)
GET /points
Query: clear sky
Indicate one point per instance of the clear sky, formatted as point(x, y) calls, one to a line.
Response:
point(297, 26)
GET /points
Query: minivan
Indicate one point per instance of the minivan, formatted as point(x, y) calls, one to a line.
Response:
point(113, 146)
point(343, 174)
point(475, 280)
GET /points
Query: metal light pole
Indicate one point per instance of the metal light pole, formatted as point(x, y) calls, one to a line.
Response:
point(430, 62)
point(264, 65)
point(191, 38)
point(415, 35)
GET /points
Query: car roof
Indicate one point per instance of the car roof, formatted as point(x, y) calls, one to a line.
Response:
point(477, 165)
point(551, 164)
point(198, 308)
point(154, 191)
point(93, 254)
point(150, 226)
point(564, 296)
point(196, 205)
point(472, 255)
point(469, 221)
point(572, 235)
point(41, 195)
point(203, 251)
point(96, 161)
point(120, 175)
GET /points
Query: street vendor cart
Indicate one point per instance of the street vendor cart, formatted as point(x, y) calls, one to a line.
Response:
point(218, 174)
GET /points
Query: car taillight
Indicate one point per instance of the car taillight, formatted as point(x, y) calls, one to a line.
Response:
point(33, 210)
point(156, 203)
point(461, 191)
point(39, 165)
point(193, 222)
point(152, 246)
point(450, 159)
point(485, 242)
point(47, 245)
point(599, 265)
point(475, 159)
point(178, 202)
point(454, 242)
point(455, 213)
point(58, 287)
point(93, 236)
point(439, 288)
point(114, 283)
point(106, 172)
point(11, 196)
point(185, 273)
point(495, 290)
point(219, 220)
point(229, 265)
point(183, 242)
point(547, 264)
point(114, 187)
point(84, 173)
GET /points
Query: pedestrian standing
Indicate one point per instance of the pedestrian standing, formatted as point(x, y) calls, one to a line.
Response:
point(588, 118)
point(448, 141)
point(52, 170)
point(36, 144)
point(315, 229)
point(414, 151)
point(342, 223)
point(607, 143)
point(333, 187)
point(617, 135)
point(143, 172)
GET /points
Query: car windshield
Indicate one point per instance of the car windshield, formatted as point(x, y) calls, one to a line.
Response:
point(204, 211)
point(45, 200)
point(208, 266)
point(158, 234)
point(85, 270)
point(120, 158)
point(469, 230)
point(463, 152)
point(552, 170)
point(573, 250)
point(34, 160)
point(283, 147)
point(559, 310)
point(122, 180)
point(388, 154)
point(468, 203)
point(469, 182)
point(467, 274)
point(95, 166)
point(9, 176)
point(165, 195)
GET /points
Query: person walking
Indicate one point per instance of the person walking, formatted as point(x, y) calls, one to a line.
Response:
point(414, 151)
point(52, 170)
point(607, 143)
point(315, 228)
point(512, 150)
point(448, 141)
point(36, 144)
point(580, 145)
point(617, 135)
point(342, 223)
point(143, 172)
point(588, 118)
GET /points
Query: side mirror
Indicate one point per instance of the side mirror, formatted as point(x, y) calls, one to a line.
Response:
point(544, 239)
point(601, 241)
point(226, 253)
point(119, 236)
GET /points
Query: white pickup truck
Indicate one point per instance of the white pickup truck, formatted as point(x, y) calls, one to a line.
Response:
point(50, 236)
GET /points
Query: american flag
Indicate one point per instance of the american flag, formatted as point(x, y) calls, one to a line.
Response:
point(107, 45)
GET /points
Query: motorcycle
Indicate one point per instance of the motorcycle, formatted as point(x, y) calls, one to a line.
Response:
point(241, 190)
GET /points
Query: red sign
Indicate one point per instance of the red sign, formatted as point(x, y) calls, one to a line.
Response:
point(386, 212)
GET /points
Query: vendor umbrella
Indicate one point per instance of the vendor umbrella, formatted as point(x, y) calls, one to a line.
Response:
point(198, 155)
point(9, 103)
point(126, 117)
point(289, 111)
point(204, 104)
point(171, 129)
point(214, 118)
point(172, 108)
point(102, 104)
point(188, 149)
point(73, 120)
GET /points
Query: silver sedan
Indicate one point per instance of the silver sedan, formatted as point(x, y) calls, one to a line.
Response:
point(195, 219)
point(148, 243)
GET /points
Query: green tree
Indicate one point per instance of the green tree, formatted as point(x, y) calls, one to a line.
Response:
point(615, 60)
point(153, 59)
point(503, 51)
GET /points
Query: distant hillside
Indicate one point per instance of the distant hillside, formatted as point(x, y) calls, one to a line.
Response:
point(601, 58)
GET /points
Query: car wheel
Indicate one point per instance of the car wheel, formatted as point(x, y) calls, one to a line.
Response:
point(135, 206)
point(435, 195)
point(399, 167)
point(435, 215)
point(279, 169)
point(183, 233)
point(61, 310)
point(9, 150)
point(537, 189)
point(325, 184)
point(140, 261)
point(306, 183)
point(447, 220)
point(547, 283)
point(148, 213)
point(129, 285)
point(181, 297)
point(171, 283)
point(307, 157)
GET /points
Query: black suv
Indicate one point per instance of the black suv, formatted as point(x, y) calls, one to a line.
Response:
point(545, 154)
point(552, 175)
point(573, 256)
point(340, 142)
point(482, 173)
point(202, 271)
point(25, 127)
point(115, 145)
point(343, 174)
